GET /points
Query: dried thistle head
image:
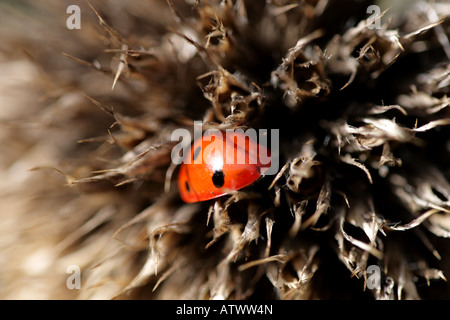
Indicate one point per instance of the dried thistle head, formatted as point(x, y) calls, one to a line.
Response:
point(358, 208)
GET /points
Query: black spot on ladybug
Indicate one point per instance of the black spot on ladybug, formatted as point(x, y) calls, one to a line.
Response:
point(196, 152)
point(187, 186)
point(218, 179)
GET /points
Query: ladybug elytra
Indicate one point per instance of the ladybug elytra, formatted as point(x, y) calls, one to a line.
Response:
point(217, 164)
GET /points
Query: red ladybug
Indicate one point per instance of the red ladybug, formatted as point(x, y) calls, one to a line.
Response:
point(218, 164)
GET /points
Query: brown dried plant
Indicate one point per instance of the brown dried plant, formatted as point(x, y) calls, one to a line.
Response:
point(87, 179)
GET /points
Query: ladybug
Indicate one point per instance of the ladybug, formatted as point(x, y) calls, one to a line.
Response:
point(218, 164)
